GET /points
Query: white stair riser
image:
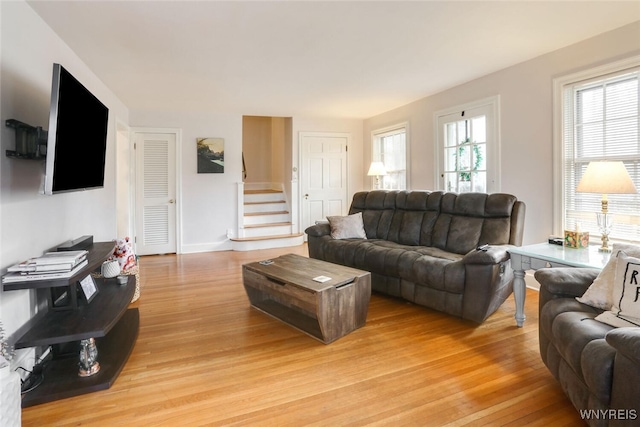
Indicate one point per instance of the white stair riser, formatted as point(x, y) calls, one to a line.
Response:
point(267, 244)
point(263, 197)
point(267, 231)
point(265, 207)
point(265, 219)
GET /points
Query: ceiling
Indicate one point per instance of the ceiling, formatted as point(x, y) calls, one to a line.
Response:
point(312, 58)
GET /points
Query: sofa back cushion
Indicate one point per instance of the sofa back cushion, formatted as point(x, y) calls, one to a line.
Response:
point(452, 222)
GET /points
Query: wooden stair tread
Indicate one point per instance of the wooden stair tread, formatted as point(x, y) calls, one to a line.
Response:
point(266, 202)
point(276, 236)
point(262, 191)
point(266, 213)
point(271, 224)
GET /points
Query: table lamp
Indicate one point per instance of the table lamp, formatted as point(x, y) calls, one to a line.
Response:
point(606, 177)
point(377, 169)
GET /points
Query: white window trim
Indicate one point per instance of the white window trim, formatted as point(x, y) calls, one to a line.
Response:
point(494, 169)
point(558, 129)
point(388, 129)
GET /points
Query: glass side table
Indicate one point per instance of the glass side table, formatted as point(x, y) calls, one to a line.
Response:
point(541, 255)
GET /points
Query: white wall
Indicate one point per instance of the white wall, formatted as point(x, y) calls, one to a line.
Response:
point(209, 201)
point(31, 222)
point(526, 121)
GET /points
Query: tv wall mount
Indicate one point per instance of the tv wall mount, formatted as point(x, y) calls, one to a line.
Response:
point(31, 141)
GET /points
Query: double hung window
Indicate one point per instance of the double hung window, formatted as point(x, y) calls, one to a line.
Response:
point(390, 148)
point(600, 121)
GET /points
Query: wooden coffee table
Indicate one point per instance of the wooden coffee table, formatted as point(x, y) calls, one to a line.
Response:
point(286, 290)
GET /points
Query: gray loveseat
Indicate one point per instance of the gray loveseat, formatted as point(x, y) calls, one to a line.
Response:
point(597, 365)
point(422, 246)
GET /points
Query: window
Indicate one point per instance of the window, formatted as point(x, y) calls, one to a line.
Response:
point(600, 119)
point(390, 148)
point(465, 154)
point(467, 149)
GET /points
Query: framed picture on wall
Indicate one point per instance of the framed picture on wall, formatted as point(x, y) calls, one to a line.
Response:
point(210, 155)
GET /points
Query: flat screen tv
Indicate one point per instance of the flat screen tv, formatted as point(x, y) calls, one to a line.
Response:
point(77, 140)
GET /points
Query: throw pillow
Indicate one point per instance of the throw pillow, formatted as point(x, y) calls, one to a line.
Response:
point(625, 310)
point(599, 294)
point(347, 227)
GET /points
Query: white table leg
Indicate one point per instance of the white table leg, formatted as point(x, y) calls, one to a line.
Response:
point(519, 293)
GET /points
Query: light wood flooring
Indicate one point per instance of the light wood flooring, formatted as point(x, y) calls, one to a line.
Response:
point(204, 357)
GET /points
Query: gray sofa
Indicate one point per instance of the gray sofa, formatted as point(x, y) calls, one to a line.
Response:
point(597, 365)
point(422, 246)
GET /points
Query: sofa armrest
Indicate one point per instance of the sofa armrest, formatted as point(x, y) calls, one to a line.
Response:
point(493, 255)
point(565, 282)
point(626, 341)
point(319, 230)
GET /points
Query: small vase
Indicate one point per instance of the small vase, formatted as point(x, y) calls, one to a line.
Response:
point(110, 269)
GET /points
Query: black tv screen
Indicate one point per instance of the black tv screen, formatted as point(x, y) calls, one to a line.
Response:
point(77, 140)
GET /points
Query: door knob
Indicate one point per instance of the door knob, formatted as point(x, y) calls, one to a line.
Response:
point(172, 201)
point(306, 196)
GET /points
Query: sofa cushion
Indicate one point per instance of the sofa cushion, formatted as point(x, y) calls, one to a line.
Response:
point(470, 219)
point(347, 227)
point(551, 309)
point(600, 293)
point(625, 310)
point(572, 331)
point(597, 368)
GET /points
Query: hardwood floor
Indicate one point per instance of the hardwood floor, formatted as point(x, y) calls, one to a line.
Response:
point(204, 357)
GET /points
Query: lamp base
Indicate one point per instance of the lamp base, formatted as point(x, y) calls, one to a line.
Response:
point(605, 224)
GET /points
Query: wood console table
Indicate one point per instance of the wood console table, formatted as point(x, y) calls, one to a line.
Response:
point(541, 255)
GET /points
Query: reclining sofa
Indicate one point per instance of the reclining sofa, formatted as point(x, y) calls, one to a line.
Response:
point(422, 246)
point(597, 365)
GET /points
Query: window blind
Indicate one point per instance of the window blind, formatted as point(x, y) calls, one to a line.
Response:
point(601, 122)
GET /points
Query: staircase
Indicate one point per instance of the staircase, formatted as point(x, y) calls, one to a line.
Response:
point(265, 221)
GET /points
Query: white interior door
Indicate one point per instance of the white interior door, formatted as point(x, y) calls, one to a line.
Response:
point(323, 175)
point(155, 193)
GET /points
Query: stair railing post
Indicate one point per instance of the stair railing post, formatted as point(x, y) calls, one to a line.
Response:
point(240, 232)
point(294, 206)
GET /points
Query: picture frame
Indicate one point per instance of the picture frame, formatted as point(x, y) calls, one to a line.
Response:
point(88, 288)
point(210, 152)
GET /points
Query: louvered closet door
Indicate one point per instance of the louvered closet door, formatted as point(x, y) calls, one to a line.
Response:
point(155, 193)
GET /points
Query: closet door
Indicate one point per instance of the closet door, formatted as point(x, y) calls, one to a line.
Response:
point(155, 193)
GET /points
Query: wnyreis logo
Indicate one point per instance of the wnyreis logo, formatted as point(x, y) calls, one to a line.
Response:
point(608, 414)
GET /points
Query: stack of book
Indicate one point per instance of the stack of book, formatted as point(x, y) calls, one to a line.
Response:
point(52, 265)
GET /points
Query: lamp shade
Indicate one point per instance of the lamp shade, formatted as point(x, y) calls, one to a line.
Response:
point(606, 177)
point(376, 169)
